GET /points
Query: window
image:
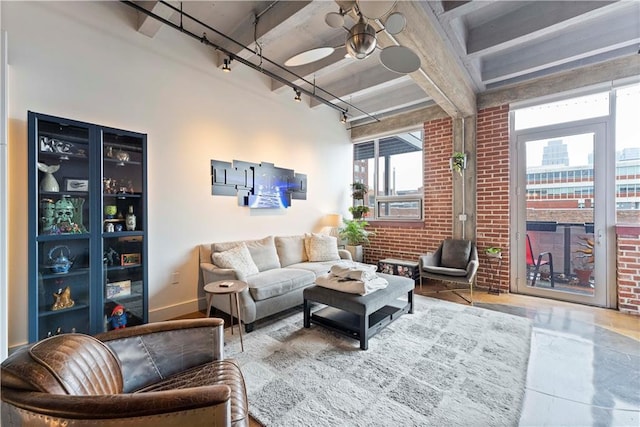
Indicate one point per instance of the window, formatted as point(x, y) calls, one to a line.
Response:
point(392, 169)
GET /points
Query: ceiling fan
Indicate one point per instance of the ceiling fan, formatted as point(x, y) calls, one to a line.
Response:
point(361, 40)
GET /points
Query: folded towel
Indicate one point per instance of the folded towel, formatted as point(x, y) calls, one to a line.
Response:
point(361, 287)
point(355, 271)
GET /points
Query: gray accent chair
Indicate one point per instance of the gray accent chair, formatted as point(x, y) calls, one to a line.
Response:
point(455, 261)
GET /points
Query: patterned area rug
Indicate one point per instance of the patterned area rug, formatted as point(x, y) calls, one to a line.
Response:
point(445, 365)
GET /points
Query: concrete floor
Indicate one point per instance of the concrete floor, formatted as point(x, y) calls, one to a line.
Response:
point(584, 365)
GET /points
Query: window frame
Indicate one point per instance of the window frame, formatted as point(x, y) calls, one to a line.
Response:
point(374, 201)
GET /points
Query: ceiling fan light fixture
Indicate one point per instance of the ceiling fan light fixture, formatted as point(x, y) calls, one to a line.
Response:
point(361, 40)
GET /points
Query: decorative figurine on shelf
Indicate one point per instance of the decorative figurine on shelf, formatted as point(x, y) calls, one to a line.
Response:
point(118, 319)
point(131, 219)
point(47, 210)
point(63, 299)
point(49, 182)
point(111, 257)
point(64, 215)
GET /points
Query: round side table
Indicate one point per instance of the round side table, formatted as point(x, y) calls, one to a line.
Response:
point(231, 288)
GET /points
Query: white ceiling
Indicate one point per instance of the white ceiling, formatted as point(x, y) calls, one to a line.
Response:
point(478, 46)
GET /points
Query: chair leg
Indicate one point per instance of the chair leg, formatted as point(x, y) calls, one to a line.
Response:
point(536, 271)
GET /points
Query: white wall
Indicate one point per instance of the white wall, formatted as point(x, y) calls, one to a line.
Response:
point(85, 61)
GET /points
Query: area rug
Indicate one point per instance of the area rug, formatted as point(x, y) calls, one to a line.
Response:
point(445, 365)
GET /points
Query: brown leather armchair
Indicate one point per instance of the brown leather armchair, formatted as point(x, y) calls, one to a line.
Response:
point(162, 374)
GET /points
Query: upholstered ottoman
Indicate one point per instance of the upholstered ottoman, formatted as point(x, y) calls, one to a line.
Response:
point(358, 316)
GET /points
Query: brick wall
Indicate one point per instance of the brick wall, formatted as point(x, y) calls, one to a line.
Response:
point(409, 241)
point(492, 206)
point(628, 269)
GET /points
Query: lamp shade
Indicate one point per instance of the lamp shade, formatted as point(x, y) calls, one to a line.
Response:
point(333, 220)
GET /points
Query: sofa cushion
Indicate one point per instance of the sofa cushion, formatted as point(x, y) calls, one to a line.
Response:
point(317, 268)
point(455, 253)
point(237, 258)
point(268, 284)
point(263, 251)
point(291, 249)
point(323, 248)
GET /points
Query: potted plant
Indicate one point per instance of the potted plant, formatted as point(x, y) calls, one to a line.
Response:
point(359, 192)
point(458, 162)
point(355, 235)
point(583, 261)
point(493, 252)
point(359, 211)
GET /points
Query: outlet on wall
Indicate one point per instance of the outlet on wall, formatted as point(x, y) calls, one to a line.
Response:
point(175, 278)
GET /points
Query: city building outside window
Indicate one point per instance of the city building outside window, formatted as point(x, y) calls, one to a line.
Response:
point(391, 167)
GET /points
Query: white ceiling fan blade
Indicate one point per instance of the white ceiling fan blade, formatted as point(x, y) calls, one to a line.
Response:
point(395, 23)
point(374, 9)
point(399, 59)
point(309, 56)
point(334, 19)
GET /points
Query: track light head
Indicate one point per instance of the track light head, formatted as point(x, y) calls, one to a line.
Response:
point(226, 65)
point(297, 97)
point(343, 119)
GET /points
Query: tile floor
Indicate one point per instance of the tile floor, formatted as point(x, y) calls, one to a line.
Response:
point(584, 365)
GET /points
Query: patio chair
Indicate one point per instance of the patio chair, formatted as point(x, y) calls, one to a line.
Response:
point(533, 264)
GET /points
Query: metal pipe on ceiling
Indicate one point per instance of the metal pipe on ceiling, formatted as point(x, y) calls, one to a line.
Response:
point(249, 64)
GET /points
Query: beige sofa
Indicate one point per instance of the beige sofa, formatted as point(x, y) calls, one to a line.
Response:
point(276, 268)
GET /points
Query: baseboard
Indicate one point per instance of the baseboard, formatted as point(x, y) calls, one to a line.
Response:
point(177, 310)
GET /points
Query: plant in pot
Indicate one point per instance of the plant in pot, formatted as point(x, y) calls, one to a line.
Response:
point(458, 162)
point(583, 261)
point(359, 211)
point(355, 235)
point(359, 192)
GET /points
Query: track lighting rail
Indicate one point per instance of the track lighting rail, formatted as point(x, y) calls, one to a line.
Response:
point(249, 64)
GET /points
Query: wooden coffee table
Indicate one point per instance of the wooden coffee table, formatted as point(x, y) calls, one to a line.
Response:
point(231, 288)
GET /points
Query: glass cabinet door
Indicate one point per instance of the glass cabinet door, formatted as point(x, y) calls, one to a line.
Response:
point(123, 230)
point(62, 226)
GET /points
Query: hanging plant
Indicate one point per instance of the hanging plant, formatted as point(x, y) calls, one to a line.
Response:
point(458, 162)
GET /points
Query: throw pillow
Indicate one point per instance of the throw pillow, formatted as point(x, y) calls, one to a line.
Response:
point(291, 250)
point(323, 248)
point(455, 253)
point(237, 258)
point(263, 251)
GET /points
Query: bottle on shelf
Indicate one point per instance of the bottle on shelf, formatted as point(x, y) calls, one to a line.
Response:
point(131, 219)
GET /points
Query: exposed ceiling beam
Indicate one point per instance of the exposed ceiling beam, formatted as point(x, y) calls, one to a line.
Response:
point(617, 69)
point(278, 20)
point(439, 76)
point(561, 48)
point(150, 26)
point(535, 20)
point(397, 123)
